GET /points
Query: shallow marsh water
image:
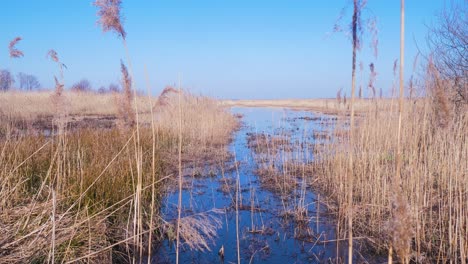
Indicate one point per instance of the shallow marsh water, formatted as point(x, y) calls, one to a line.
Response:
point(266, 234)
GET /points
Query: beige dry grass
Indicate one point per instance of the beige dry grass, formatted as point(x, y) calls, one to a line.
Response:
point(30, 105)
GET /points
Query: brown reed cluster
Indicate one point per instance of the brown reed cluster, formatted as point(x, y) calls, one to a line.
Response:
point(58, 87)
point(400, 227)
point(441, 103)
point(164, 96)
point(53, 55)
point(109, 16)
point(338, 96)
point(14, 52)
point(372, 77)
point(125, 110)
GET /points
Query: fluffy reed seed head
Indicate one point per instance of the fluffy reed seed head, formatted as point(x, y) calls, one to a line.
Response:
point(126, 81)
point(14, 52)
point(441, 103)
point(400, 227)
point(109, 16)
point(58, 87)
point(163, 98)
point(52, 54)
point(125, 110)
point(373, 75)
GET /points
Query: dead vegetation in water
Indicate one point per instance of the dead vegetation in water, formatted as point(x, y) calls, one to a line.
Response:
point(276, 181)
point(263, 143)
point(197, 231)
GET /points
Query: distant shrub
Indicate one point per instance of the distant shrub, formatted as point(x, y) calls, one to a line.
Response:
point(27, 81)
point(114, 88)
point(6, 80)
point(82, 86)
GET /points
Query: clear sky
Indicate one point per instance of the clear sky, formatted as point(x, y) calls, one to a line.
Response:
point(221, 48)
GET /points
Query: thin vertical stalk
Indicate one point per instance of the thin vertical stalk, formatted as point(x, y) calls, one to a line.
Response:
point(138, 152)
point(400, 99)
point(397, 180)
point(54, 207)
point(153, 164)
point(237, 208)
point(179, 204)
point(351, 134)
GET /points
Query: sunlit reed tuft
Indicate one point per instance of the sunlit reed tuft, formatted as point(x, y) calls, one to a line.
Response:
point(14, 52)
point(109, 16)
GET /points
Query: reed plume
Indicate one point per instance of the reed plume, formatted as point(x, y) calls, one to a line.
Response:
point(58, 87)
point(14, 52)
point(373, 75)
point(52, 54)
point(109, 16)
point(400, 227)
point(441, 105)
point(125, 110)
point(164, 96)
point(338, 96)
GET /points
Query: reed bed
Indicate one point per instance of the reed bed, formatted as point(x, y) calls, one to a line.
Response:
point(80, 195)
point(434, 180)
point(428, 208)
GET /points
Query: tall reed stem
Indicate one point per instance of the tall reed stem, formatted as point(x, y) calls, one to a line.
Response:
point(179, 204)
point(153, 164)
point(237, 208)
point(351, 138)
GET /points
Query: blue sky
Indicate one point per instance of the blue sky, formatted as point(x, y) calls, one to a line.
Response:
point(226, 49)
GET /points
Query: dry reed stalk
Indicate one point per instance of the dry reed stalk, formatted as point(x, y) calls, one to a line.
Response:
point(14, 52)
point(401, 224)
point(349, 178)
point(111, 20)
point(179, 201)
point(237, 210)
point(57, 98)
point(153, 165)
point(338, 96)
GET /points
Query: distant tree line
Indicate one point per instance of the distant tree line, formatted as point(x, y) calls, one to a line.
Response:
point(84, 85)
point(29, 82)
point(25, 81)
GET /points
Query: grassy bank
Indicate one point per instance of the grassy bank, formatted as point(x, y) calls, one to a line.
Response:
point(91, 193)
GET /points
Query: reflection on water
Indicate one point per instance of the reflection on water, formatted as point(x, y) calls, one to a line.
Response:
point(267, 233)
